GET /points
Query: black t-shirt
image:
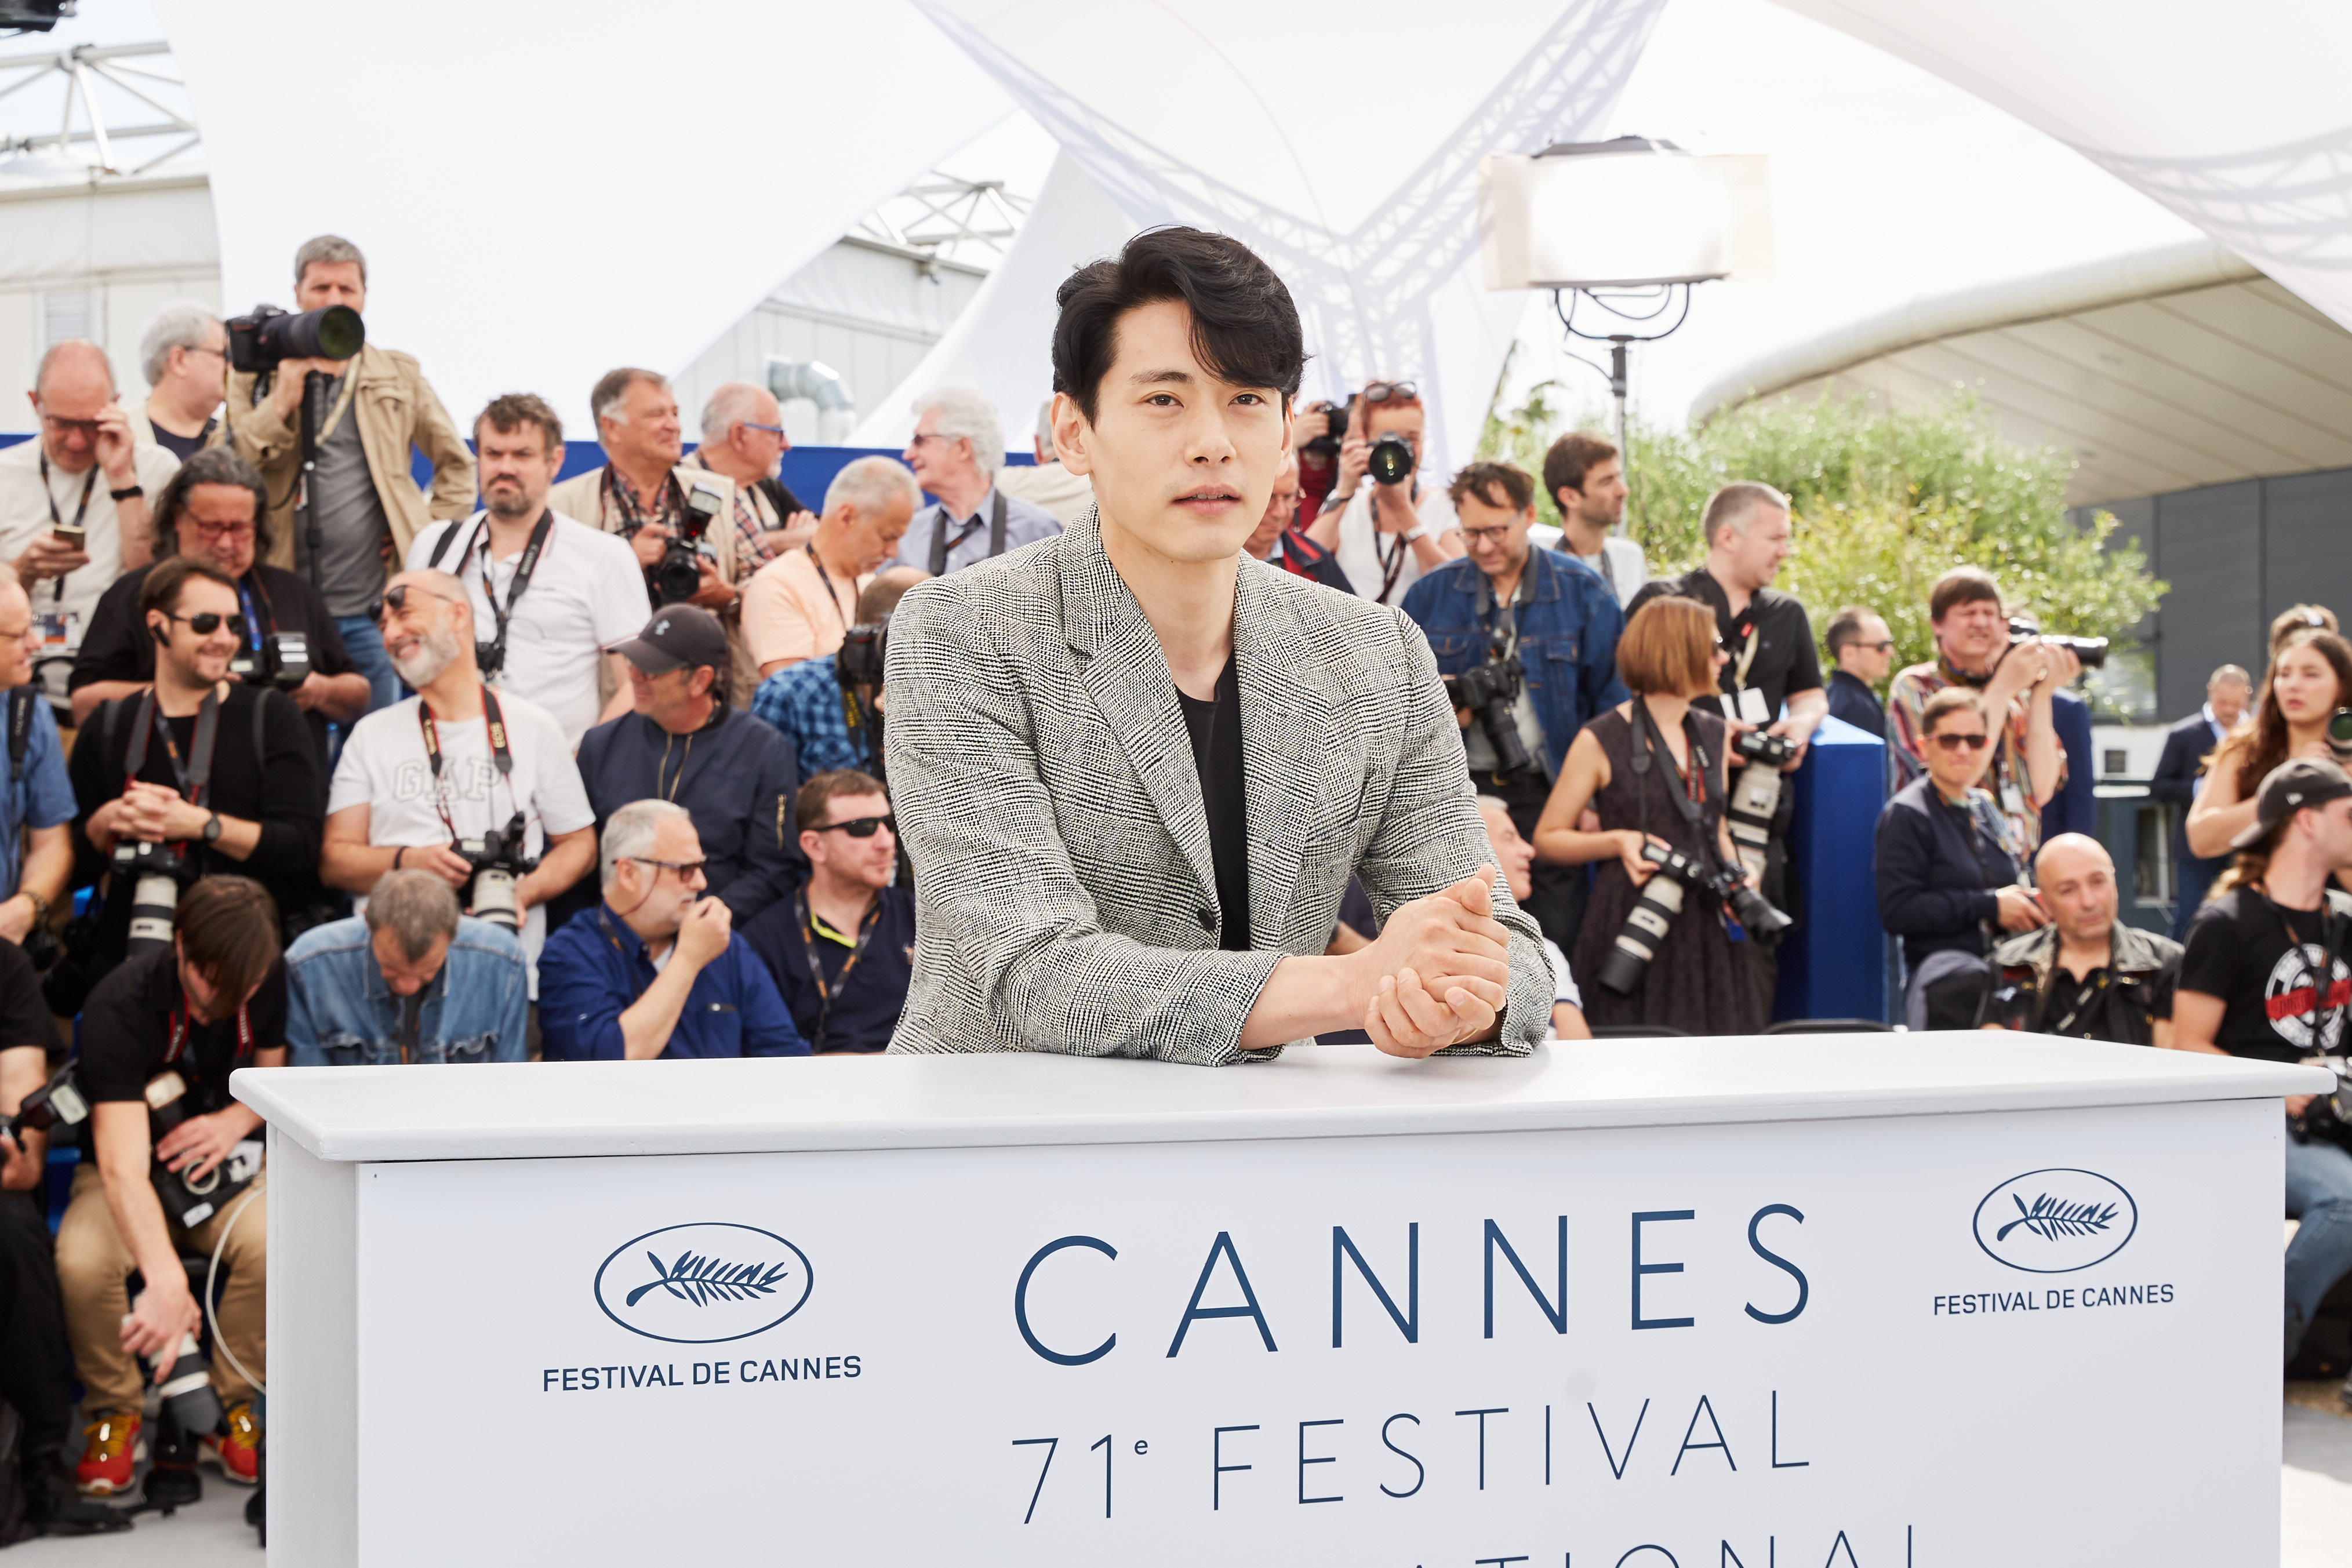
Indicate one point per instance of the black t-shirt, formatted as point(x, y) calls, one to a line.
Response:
point(23, 1013)
point(2264, 962)
point(277, 790)
point(115, 646)
point(183, 446)
point(1217, 730)
point(1785, 660)
point(2096, 1006)
point(126, 1034)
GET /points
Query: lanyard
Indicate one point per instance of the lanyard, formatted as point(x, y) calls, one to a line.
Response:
point(180, 1033)
point(496, 726)
point(56, 520)
point(252, 592)
point(523, 568)
point(196, 773)
point(835, 594)
point(826, 993)
point(1392, 562)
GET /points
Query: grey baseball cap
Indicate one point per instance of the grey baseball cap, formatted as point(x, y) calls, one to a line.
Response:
point(2293, 784)
point(677, 637)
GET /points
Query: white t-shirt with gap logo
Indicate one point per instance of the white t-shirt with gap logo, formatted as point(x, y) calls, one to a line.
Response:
point(384, 769)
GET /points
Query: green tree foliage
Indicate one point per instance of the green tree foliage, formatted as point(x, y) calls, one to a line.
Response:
point(1885, 503)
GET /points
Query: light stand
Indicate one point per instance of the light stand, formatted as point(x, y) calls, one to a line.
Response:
point(1620, 342)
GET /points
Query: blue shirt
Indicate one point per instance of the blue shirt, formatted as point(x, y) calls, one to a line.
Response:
point(340, 1012)
point(39, 795)
point(595, 969)
point(850, 1001)
point(803, 700)
point(1567, 637)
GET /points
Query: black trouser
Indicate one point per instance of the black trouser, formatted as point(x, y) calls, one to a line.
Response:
point(35, 1371)
point(1557, 894)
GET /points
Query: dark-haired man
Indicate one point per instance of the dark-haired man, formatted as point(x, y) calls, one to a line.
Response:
point(552, 591)
point(211, 1003)
point(1179, 755)
point(220, 773)
point(1862, 649)
point(842, 948)
point(1587, 482)
point(213, 511)
point(1508, 600)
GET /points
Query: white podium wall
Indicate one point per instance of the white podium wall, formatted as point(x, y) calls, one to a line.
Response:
point(1940, 1300)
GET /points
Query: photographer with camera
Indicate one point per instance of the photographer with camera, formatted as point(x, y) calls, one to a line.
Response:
point(803, 604)
point(168, 1159)
point(474, 786)
point(2308, 682)
point(2086, 975)
point(956, 450)
point(656, 970)
point(362, 507)
point(2265, 973)
point(213, 511)
point(676, 516)
point(1527, 644)
point(1658, 948)
point(843, 949)
point(683, 743)
point(196, 773)
point(410, 981)
point(812, 702)
point(1587, 481)
point(38, 809)
point(1383, 527)
point(74, 502)
point(184, 352)
point(556, 591)
point(1977, 648)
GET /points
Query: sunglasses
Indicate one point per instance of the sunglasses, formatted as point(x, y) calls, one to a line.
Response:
point(1951, 742)
point(395, 599)
point(205, 622)
point(861, 827)
point(1387, 391)
point(1876, 647)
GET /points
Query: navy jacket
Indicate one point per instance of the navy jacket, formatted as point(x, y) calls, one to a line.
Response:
point(1852, 699)
point(1936, 882)
point(2075, 808)
point(735, 776)
point(595, 969)
point(869, 1000)
point(1568, 638)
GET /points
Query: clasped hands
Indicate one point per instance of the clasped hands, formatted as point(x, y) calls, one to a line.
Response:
point(1439, 972)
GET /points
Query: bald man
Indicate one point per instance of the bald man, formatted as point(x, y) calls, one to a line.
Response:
point(2086, 975)
point(73, 504)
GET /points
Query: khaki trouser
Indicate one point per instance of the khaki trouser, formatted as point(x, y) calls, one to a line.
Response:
point(94, 1267)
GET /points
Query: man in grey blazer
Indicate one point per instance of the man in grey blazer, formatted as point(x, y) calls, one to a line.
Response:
point(1134, 769)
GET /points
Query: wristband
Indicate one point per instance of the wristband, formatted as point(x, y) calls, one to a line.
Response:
point(395, 856)
point(1418, 531)
point(127, 492)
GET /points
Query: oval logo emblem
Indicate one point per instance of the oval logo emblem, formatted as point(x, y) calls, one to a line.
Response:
point(2055, 1221)
point(702, 1284)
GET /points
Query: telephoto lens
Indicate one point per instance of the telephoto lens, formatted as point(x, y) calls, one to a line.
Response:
point(1755, 796)
point(155, 870)
point(2090, 651)
point(1392, 460)
point(497, 860)
point(1646, 923)
point(187, 1390)
point(269, 335)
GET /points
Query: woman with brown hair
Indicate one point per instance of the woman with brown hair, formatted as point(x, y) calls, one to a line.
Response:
point(1654, 769)
point(2309, 678)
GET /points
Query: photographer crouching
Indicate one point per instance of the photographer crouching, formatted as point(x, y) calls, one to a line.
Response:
point(1527, 643)
point(168, 1161)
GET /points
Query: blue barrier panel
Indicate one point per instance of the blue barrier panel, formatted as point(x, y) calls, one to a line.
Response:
point(806, 472)
point(1833, 963)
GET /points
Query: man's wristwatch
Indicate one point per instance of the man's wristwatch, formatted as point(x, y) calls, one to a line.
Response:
point(128, 491)
point(211, 829)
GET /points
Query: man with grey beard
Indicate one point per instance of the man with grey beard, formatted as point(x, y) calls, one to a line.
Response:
point(451, 765)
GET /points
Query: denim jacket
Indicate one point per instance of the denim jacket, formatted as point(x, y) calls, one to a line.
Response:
point(340, 1012)
point(1568, 638)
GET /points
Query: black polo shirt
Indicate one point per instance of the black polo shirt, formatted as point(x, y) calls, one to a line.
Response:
point(866, 1002)
point(25, 1018)
point(126, 1034)
point(1785, 658)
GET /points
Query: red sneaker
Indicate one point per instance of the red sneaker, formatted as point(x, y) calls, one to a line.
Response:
point(238, 1451)
point(110, 1448)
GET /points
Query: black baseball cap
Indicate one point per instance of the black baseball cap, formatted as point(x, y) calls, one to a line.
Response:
point(680, 637)
point(2298, 783)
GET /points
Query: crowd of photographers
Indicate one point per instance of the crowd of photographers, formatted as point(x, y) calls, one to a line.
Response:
point(357, 772)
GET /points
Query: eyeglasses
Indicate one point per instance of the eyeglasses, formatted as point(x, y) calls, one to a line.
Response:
point(222, 530)
point(685, 869)
point(218, 353)
point(1951, 742)
point(770, 429)
point(922, 435)
point(205, 622)
point(395, 599)
point(860, 827)
point(1873, 647)
point(1390, 391)
point(85, 428)
point(1473, 535)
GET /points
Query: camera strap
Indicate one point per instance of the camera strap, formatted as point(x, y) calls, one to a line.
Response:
point(494, 723)
point(1697, 781)
point(1504, 639)
point(57, 518)
point(180, 1029)
point(942, 544)
point(20, 729)
point(254, 600)
point(195, 773)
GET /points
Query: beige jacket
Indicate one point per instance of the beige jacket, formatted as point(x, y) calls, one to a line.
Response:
point(396, 410)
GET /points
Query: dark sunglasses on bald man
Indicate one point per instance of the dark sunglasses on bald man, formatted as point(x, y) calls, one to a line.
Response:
point(861, 827)
point(395, 599)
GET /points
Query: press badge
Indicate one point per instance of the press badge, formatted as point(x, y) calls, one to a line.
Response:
point(1749, 707)
point(60, 631)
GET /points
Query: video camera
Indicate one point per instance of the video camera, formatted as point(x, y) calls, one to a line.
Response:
point(1662, 898)
point(1490, 691)
point(2092, 651)
point(267, 336)
point(497, 859)
point(155, 874)
point(1755, 796)
point(679, 575)
point(282, 661)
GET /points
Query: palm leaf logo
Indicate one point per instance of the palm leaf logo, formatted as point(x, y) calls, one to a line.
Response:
point(2054, 1218)
point(698, 1282)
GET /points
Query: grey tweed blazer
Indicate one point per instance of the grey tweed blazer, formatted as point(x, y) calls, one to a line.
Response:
point(1043, 778)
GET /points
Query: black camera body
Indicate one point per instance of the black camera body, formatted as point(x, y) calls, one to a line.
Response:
point(1756, 796)
point(1490, 691)
point(1662, 899)
point(1772, 751)
point(191, 1199)
point(2092, 651)
point(499, 861)
point(153, 876)
point(267, 336)
point(1327, 446)
point(678, 577)
point(864, 650)
point(282, 661)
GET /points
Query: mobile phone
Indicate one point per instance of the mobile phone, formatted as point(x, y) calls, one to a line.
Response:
point(72, 533)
